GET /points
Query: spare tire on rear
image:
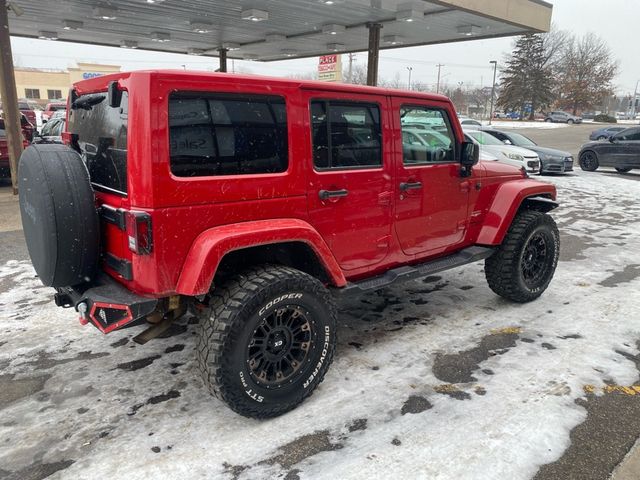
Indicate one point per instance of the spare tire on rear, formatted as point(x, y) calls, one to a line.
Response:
point(59, 215)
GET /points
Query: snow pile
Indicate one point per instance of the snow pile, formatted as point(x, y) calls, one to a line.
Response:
point(437, 378)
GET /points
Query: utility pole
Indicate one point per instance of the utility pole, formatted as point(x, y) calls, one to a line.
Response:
point(493, 89)
point(633, 102)
point(351, 60)
point(440, 65)
point(410, 70)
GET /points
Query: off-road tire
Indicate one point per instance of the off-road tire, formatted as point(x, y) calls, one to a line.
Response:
point(504, 269)
point(589, 161)
point(623, 169)
point(235, 311)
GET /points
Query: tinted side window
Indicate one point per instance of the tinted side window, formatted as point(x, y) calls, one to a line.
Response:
point(436, 139)
point(345, 135)
point(633, 135)
point(100, 136)
point(220, 134)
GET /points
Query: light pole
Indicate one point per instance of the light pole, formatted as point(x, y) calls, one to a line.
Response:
point(493, 89)
point(410, 70)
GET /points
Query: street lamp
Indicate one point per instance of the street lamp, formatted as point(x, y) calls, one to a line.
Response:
point(410, 70)
point(493, 89)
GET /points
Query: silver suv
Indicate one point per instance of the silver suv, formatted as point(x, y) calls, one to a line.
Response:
point(562, 117)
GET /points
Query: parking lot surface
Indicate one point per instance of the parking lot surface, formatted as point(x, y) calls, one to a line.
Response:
point(437, 378)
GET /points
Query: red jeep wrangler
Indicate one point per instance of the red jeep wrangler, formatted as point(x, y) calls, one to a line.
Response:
point(255, 201)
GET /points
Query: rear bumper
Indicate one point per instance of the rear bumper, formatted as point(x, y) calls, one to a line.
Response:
point(105, 303)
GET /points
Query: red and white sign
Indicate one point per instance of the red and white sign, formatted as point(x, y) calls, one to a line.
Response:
point(330, 68)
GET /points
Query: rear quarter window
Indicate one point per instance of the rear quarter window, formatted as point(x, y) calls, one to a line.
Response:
point(99, 134)
point(213, 134)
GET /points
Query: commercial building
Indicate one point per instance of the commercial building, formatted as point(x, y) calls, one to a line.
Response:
point(42, 86)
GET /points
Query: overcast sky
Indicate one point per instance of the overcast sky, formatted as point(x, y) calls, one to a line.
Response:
point(615, 21)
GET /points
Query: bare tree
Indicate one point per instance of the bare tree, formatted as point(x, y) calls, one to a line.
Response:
point(358, 75)
point(586, 72)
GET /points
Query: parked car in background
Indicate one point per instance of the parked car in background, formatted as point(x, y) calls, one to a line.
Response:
point(551, 159)
point(51, 131)
point(509, 154)
point(469, 122)
point(562, 117)
point(4, 149)
point(605, 133)
point(621, 152)
point(52, 107)
point(26, 109)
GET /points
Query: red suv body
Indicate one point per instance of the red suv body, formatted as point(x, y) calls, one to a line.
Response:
point(52, 107)
point(198, 177)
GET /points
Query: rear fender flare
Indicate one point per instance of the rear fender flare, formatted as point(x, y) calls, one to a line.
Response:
point(212, 245)
point(509, 198)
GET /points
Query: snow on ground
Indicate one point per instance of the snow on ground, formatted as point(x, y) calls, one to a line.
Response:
point(524, 124)
point(438, 378)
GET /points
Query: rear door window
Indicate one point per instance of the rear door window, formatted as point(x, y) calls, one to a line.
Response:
point(345, 135)
point(213, 134)
point(99, 134)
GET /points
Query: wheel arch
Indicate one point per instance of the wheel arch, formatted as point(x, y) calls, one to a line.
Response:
point(290, 242)
point(510, 198)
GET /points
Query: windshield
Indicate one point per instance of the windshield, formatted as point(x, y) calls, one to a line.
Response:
point(521, 140)
point(100, 136)
point(483, 138)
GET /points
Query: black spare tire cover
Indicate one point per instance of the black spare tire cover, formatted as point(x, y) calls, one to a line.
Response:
point(59, 215)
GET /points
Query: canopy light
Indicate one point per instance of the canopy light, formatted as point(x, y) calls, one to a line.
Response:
point(132, 44)
point(47, 35)
point(160, 37)
point(195, 51)
point(469, 30)
point(72, 24)
point(333, 29)
point(410, 15)
point(335, 47)
point(231, 46)
point(289, 52)
point(275, 37)
point(255, 15)
point(200, 27)
point(104, 12)
point(392, 40)
point(155, 1)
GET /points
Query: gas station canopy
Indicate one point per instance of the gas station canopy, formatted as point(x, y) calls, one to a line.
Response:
point(273, 29)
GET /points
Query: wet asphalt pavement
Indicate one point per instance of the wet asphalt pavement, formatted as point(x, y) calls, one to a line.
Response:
point(154, 389)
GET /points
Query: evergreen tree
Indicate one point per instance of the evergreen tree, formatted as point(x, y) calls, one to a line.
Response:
point(527, 81)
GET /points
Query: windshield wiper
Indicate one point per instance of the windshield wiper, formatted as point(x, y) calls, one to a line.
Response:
point(87, 102)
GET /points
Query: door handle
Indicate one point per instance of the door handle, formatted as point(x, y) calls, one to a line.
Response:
point(327, 194)
point(404, 186)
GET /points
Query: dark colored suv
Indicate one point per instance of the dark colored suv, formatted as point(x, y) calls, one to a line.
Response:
point(254, 202)
point(621, 152)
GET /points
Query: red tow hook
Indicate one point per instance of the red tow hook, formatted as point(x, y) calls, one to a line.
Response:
point(83, 311)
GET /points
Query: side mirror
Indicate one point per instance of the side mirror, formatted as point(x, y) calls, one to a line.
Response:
point(612, 139)
point(469, 156)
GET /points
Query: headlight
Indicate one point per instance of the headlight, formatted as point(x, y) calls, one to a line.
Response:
point(514, 156)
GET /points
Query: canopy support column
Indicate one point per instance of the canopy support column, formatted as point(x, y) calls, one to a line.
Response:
point(9, 97)
point(222, 55)
point(374, 53)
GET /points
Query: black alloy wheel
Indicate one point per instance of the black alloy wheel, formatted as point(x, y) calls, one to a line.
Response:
point(589, 161)
point(279, 346)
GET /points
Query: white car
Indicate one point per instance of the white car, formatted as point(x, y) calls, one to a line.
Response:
point(509, 154)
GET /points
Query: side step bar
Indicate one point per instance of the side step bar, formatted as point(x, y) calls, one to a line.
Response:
point(411, 272)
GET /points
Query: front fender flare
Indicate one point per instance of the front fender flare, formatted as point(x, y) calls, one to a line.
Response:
point(212, 245)
point(506, 202)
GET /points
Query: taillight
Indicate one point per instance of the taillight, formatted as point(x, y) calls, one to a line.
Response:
point(139, 237)
point(67, 138)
